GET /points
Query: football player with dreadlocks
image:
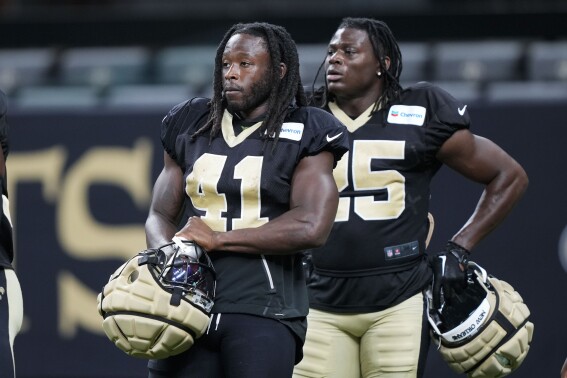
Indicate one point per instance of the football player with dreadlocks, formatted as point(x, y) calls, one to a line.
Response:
point(250, 170)
point(367, 310)
point(11, 304)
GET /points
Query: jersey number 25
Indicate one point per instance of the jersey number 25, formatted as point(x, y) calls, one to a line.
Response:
point(364, 179)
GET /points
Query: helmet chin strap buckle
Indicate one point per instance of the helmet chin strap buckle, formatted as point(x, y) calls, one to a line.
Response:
point(176, 296)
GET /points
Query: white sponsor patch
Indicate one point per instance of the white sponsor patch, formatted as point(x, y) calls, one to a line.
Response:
point(292, 130)
point(407, 115)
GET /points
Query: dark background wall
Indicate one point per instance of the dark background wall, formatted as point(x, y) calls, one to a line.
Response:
point(80, 187)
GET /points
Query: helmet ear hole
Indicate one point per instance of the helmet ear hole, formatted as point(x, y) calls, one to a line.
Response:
point(139, 316)
point(492, 344)
point(502, 360)
point(133, 276)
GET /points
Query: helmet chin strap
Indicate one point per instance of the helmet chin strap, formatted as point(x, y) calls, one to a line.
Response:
point(480, 269)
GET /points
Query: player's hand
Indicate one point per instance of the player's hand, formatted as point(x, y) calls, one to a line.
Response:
point(449, 273)
point(199, 232)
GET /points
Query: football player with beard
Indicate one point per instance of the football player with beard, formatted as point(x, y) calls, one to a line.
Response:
point(367, 311)
point(250, 172)
point(11, 304)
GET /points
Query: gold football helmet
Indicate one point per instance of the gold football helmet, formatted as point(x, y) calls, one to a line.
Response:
point(484, 331)
point(158, 303)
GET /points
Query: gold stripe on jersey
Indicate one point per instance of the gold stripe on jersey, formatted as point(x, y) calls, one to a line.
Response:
point(351, 124)
point(228, 131)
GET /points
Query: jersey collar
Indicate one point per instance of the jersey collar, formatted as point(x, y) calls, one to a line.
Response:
point(228, 131)
point(351, 124)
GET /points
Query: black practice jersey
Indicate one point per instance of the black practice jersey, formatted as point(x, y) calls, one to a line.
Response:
point(6, 243)
point(378, 238)
point(237, 180)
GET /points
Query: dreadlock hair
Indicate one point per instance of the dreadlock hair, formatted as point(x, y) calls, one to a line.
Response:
point(282, 49)
point(384, 45)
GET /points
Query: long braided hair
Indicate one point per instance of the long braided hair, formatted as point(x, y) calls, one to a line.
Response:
point(282, 49)
point(384, 45)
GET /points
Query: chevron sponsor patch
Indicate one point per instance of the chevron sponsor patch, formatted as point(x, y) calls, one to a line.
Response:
point(292, 130)
point(407, 115)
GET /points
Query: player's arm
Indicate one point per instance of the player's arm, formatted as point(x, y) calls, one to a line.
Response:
point(313, 205)
point(504, 181)
point(564, 369)
point(166, 205)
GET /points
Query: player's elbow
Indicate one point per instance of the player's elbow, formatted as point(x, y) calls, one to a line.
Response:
point(520, 180)
point(316, 234)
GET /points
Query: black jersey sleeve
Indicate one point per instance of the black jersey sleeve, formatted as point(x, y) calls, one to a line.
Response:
point(3, 124)
point(449, 111)
point(445, 115)
point(324, 133)
point(181, 121)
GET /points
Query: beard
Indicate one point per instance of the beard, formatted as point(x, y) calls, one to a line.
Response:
point(252, 98)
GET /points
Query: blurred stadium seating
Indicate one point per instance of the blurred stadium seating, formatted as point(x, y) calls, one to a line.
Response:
point(547, 61)
point(142, 77)
point(149, 96)
point(189, 65)
point(57, 97)
point(103, 66)
point(416, 58)
point(26, 66)
point(527, 92)
point(311, 57)
point(479, 61)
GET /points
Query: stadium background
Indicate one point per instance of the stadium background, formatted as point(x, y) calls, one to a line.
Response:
point(83, 159)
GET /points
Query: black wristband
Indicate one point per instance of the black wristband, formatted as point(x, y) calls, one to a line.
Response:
point(452, 245)
point(459, 252)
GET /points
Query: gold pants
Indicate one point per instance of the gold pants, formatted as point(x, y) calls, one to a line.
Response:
point(379, 344)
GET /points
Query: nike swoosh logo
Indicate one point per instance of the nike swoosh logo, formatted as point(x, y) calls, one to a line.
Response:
point(330, 139)
point(462, 111)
